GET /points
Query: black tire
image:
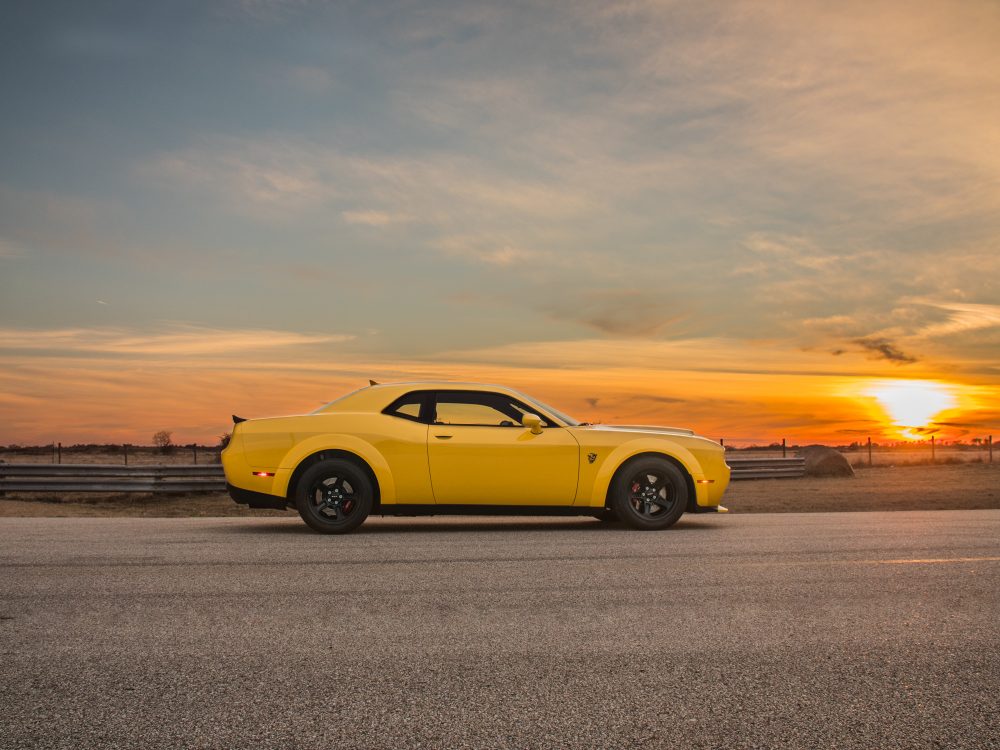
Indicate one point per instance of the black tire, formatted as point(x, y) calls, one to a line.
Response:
point(607, 516)
point(649, 493)
point(334, 496)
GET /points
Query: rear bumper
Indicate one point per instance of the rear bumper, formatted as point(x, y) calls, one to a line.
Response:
point(255, 499)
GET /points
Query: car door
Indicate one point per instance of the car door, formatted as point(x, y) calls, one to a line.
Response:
point(479, 453)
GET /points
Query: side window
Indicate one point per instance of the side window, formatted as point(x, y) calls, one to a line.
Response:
point(479, 409)
point(409, 406)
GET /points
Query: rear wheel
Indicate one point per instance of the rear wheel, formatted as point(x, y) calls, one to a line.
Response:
point(649, 493)
point(334, 496)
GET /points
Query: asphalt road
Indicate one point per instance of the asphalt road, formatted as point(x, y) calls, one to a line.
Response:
point(866, 630)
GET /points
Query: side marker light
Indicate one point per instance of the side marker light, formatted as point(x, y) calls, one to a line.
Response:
point(263, 473)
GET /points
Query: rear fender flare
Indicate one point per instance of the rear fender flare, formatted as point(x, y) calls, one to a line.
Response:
point(338, 442)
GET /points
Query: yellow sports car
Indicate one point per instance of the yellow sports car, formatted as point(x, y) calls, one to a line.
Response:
point(428, 448)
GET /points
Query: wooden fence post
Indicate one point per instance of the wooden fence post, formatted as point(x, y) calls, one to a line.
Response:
point(194, 448)
point(784, 453)
point(125, 448)
point(932, 449)
point(59, 454)
point(870, 464)
point(989, 444)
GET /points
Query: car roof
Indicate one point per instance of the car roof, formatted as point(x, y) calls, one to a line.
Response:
point(379, 395)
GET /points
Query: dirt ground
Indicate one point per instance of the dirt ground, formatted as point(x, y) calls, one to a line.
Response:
point(908, 487)
point(962, 486)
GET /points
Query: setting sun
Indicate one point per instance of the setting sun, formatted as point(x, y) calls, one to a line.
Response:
point(913, 403)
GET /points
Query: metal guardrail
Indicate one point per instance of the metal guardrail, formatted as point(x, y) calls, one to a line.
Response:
point(110, 478)
point(767, 468)
point(209, 477)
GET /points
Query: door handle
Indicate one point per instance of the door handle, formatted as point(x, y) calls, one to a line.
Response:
point(443, 437)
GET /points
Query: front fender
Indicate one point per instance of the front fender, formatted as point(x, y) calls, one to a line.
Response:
point(625, 451)
point(337, 442)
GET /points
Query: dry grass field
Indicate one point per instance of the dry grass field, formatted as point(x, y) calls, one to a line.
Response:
point(905, 487)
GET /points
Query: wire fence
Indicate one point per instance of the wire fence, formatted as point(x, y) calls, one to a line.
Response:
point(124, 454)
point(870, 453)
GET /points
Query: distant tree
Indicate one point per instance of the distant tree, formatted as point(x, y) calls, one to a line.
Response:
point(163, 442)
point(224, 440)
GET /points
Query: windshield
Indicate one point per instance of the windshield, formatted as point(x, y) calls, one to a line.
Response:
point(564, 418)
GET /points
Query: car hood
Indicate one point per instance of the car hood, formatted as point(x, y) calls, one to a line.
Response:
point(641, 428)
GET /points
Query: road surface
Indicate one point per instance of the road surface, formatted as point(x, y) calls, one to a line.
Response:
point(854, 630)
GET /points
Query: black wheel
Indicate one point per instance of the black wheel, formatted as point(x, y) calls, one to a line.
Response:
point(649, 493)
point(334, 496)
point(607, 516)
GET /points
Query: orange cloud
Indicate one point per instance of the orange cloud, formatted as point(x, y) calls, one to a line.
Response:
point(744, 393)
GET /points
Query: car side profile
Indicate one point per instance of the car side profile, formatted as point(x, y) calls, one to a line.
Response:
point(428, 448)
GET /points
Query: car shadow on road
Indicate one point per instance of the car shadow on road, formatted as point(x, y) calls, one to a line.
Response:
point(430, 525)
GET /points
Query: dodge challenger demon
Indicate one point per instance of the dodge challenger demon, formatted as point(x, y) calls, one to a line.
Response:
point(428, 448)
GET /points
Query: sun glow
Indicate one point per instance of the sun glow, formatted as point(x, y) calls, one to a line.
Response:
point(913, 404)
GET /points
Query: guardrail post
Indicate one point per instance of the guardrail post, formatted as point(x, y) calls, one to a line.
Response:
point(2, 493)
point(59, 454)
point(125, 450)
point(194, 448)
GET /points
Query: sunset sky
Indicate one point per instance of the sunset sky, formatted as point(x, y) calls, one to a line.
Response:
point(756, 219)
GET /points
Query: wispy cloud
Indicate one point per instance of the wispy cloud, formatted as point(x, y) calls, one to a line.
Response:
point(962, 317)
point(8, 250)
point(625, 312)
point(374, 218)
point(278, 177)
point(174, 341)
point(885, 349)
point(36, 221)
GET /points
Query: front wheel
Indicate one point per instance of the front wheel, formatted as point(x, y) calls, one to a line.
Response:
point(334, 496)
point(649, 493)
point(606, 516)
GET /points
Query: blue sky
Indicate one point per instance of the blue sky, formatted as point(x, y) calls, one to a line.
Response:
point(400, 188)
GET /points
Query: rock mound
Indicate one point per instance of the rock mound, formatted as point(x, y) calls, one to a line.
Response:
point(825, 462)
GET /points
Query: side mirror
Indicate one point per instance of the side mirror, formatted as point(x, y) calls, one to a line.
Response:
point(533, 422)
